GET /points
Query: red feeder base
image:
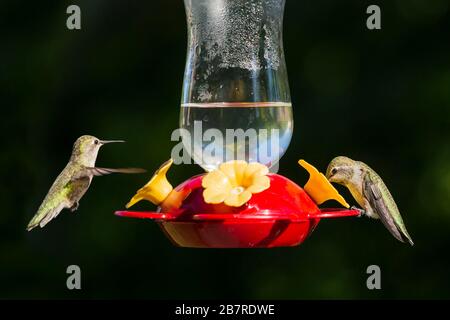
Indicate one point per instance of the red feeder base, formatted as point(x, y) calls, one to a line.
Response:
point(281, 216)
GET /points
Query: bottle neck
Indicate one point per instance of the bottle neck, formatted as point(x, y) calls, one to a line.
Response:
point(235, 52)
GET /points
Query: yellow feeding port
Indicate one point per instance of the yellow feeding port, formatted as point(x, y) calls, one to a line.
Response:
point(157, 189)
point(319, 188)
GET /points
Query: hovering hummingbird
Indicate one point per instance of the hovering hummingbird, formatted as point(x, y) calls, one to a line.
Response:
point(73, 182)
point(370, 192)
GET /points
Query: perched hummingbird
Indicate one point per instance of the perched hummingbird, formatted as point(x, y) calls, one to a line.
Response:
point(73, 182)
point(370, 192)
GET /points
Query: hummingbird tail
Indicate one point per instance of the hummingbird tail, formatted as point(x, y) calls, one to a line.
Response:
point(406, 237)
point(31, 226)
point(34, 222)
point(43, 216)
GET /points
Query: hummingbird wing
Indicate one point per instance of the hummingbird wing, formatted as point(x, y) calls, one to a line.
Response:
point(96, 171)
point(373, 189)
point(67, 190)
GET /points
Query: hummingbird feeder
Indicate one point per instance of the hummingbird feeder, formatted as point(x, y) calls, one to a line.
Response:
point(236, 122)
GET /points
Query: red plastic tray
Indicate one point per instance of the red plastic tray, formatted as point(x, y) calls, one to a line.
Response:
point(223, 230)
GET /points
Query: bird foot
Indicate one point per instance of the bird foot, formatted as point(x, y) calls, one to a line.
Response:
point(361, 211)
point(74, 207)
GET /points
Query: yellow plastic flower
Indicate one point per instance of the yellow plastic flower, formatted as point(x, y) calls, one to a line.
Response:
point(235, 182)
point(319, 188)
point(157, 189)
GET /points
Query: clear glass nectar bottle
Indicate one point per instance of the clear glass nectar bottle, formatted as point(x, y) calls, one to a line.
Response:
point(235, 101)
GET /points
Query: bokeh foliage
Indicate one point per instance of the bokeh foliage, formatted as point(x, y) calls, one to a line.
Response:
point(378, 96)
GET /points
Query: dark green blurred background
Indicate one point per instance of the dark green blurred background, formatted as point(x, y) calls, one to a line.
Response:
point(378, 96)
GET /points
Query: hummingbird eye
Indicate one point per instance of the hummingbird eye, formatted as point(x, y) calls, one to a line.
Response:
point(96, 141)
point(333, 171)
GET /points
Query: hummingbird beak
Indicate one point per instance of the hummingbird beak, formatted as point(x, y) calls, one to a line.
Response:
point(102, 142)
point(330, 176)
